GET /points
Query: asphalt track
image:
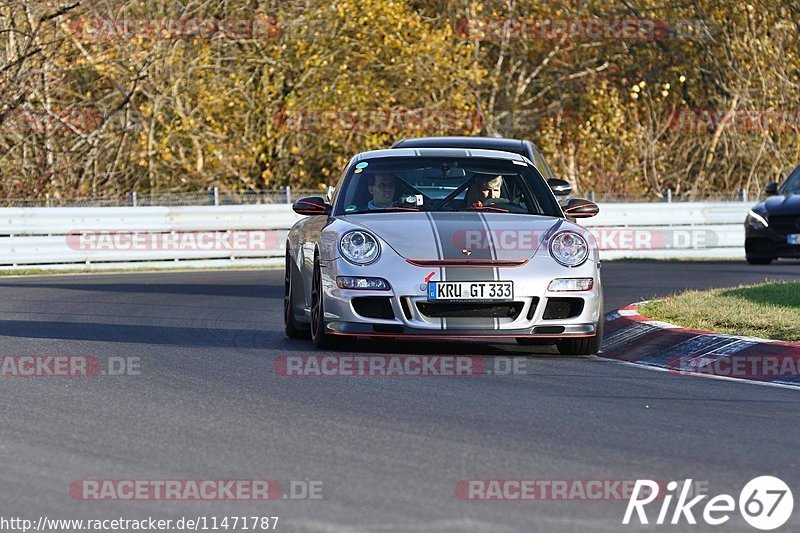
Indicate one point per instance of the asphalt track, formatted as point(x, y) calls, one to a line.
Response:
point(207, 404)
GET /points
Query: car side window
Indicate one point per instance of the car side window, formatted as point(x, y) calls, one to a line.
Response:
point(792, 183)
point(541, 163)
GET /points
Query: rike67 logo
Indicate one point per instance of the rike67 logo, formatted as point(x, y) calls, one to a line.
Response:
point(765, 502)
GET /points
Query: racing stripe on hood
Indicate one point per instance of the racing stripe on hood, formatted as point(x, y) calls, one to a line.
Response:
point(438, 243)
point(447, 226)
point(490, 239)
point(493, 250)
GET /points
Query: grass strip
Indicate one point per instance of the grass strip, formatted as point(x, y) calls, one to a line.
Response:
point(768, 310)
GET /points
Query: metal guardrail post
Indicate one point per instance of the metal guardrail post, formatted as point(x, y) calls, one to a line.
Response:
point(288, 194)
point(213, 196)
point(667, 194)
point(742, 195)
point(134, 199)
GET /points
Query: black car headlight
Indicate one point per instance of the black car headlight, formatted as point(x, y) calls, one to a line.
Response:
point(756, 221)
point(359, 247)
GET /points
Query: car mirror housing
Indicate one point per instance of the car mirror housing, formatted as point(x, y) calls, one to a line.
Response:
point(771, 188)
point(559, 187)
point(580, 208)
point(312, 205)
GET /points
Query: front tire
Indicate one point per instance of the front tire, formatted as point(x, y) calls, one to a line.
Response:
point(759, 260)
point(291, 327)
point(585, 345)
point(319, 336)
point(582, 345)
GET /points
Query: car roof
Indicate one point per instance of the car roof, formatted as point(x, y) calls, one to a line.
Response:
point(440, 152)
point(486, 143)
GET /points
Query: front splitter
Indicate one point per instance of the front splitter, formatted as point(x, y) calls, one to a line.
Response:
point(399, 330)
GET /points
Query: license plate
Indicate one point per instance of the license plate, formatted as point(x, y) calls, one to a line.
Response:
point(794, 238)
point(470, 291)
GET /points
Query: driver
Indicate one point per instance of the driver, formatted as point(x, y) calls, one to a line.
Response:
point(483, 189)
point(381, 187)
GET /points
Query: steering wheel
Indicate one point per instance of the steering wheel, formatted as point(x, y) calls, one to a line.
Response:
point(504, 203)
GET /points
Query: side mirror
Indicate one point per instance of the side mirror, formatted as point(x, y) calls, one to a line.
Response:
point(579, 208)
point(559, 187)
point(771, 188)
point(312, 205)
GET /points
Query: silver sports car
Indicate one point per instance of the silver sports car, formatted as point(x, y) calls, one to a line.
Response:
point(443, 243)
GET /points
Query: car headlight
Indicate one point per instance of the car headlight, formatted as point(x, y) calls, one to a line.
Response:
point(569, 248)
point(754, 220)
point(359, 283)
point(571, 284)
point(359, 247)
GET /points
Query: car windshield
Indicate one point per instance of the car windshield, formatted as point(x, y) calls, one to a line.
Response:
point(792, 185)
point(403, 184)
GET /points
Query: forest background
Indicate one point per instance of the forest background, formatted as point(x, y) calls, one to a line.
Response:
point(625, 97)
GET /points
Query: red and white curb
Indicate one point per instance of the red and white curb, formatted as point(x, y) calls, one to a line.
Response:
point(636, 339)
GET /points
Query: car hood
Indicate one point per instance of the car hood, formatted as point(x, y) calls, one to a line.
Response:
point(463, 236)
point(782, 205)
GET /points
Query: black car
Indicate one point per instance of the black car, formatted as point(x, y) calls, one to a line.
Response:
point(772, 227)
point(560, 188)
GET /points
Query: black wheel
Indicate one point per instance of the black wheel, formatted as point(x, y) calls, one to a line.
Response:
point(759, 260)
point(292, 329)
point(319, 336)
point(584, 345)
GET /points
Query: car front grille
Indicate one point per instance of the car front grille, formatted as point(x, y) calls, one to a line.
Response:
point(560, 308)
point(785, 224)
point(471, 309)
point(374, 307)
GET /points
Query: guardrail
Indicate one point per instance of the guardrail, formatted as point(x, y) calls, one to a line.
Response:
point(77, 238)
point(670, 230)
point(69, 238)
